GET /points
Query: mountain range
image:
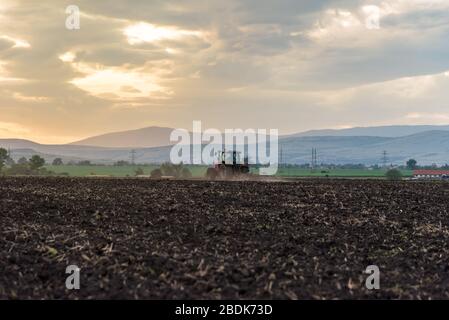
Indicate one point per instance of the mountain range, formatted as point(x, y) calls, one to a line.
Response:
point(160, 136)
point(379, 131)
point(140, 138)
point(426, 144)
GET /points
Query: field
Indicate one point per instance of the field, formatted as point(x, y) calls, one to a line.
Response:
point(135, 238)
point(335, 173)
point(199, 171)
point(114, 171)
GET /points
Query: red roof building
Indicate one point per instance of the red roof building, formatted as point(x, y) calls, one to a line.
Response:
point(430, 173)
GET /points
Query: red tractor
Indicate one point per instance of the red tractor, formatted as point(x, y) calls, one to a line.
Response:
point(229, 166)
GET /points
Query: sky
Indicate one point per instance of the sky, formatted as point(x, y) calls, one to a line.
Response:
point(291, 65)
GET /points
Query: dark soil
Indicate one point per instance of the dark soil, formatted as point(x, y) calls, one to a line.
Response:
point(148, 239)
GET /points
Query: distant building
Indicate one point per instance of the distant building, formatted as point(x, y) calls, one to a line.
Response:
point(431, 174)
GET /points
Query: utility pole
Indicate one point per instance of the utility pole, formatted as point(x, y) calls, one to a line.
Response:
point(384, 158)
point(311, 163)
point(133, 157)
point(314, 159)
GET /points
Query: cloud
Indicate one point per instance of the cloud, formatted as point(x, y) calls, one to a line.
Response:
point(12, 130)
point(117, 83)
point(436, 118)
point(291, 64)
point(16, 43)
point(67, 57)
point(5, 76)
point(144, 32)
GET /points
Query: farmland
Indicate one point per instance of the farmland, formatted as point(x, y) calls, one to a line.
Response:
point(199, 171)
point(138, 238)
point(114, 171)
point(337, 173)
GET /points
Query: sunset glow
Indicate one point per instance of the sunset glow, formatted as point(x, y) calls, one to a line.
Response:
point(141, 64)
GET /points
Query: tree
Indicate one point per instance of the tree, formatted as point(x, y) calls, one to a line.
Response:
point(139, 172)
point(174, 170)
point(10, 161)
point(84, 163)
point(36, 162)
point(168, 169)
point(22, 161)
point(186, 174)
point(57, 162)
point(178, 169)
point(411, 164)
point(393, 174)
point(156, 174)
point(3, 157)
point(121, 163)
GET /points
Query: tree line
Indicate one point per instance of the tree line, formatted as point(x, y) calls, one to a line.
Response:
point(31, 166)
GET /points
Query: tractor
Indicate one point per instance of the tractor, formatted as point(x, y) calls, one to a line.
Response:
point(228, 166)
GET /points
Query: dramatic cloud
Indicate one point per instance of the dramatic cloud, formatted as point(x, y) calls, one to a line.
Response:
point(144, 32)
point(287, 64)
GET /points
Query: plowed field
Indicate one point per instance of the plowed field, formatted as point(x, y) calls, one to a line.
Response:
point(146, 239)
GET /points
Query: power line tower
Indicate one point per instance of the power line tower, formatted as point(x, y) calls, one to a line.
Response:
point(314, 159)
point(133, 157)
point(384, 158)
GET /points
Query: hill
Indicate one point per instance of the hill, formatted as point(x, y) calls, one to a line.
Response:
point(381, 131)
point(140, 138)
point(426, 147)
point(160, 136)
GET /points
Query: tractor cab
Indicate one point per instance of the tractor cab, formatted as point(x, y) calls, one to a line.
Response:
point(229, 165)
point(229, 157)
